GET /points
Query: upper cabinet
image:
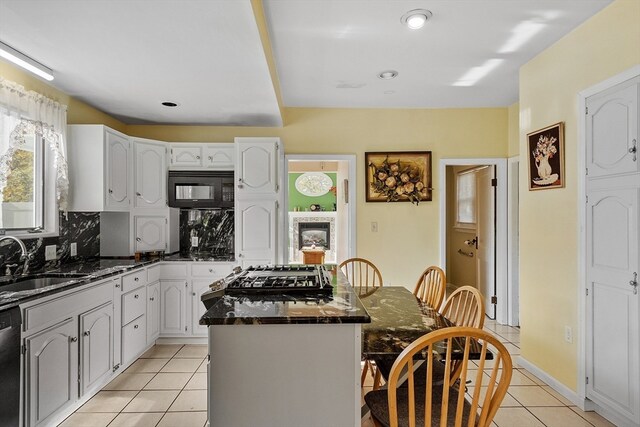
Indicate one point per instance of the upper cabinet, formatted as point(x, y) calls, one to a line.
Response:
point(202, 156)
point(256, 166)
point(150, 173)
point(99, 169)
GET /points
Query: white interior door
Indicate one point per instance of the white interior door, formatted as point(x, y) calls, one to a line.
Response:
point(486, 240)
point(612, 240)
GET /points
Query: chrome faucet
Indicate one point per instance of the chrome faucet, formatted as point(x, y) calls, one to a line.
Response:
point(26, 256)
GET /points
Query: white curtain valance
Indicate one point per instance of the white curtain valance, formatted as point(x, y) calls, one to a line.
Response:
point(33, 113)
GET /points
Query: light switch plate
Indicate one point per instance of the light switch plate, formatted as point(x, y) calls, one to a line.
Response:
point(74, 249)
point(50, 252)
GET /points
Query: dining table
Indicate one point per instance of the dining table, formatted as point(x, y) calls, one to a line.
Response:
point(398, 318)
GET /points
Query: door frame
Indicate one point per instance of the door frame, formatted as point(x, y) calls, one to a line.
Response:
point(502, 291)
point(351, 211)
point(513, 262)
point(582, 224)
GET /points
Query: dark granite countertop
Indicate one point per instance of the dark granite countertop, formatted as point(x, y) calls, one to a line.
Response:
point(96, 269)
point(343, 306)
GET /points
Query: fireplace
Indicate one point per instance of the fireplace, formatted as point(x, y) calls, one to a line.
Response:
point(314, 233)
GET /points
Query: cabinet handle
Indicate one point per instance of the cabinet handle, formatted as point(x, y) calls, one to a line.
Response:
point(110, 191)
point(633, 149)
point(73, 339)
point(151, 299)
point(117, 285)
point(193, 294)
point(135, 326)
point(210, 158)
point(136, 296)
point(198, 157)
point(239, 255)
point(137, 279)
point(138, 239)
point(138, 194)
point(211, 270)
point(87, 333)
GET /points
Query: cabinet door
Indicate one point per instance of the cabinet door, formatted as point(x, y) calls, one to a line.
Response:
point(134, 339)
point(186, 155)
point(117, 170)
point(151, 233)
point(51, 371)
point(173, 307)
point(96, 346)
point(198, 287)
point(257, 166)
point(153, 312)
point(150, 175)
point(256, 232)
point(219, 156)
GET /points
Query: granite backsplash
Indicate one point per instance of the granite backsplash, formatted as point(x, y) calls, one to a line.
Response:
point(83, 228)
point(214, 229)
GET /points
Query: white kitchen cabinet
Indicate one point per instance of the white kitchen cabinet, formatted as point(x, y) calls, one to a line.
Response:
point(173, 307)
point(257, 161)
point(96, 346)
point(134, 339)
point(150, 165)
point(153, 312)
point(52, 371)
point(150, 233)
point(256, 232)
point(187, 155)
point(99, 169)
point(219, 156)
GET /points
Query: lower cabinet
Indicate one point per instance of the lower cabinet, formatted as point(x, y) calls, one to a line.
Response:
point(96, 346)
point(153, 312)
point(51, 371)
point(173, 305)
point(198, 286)
point(134, 339)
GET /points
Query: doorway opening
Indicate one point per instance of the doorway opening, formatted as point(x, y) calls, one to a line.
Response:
point(473, 229)
point(319, 212)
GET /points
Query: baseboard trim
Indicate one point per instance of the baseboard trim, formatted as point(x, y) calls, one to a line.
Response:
point(181, 340)
point(581, 402)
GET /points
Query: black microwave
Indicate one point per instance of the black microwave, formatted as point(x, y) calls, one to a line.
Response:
point(201, 189)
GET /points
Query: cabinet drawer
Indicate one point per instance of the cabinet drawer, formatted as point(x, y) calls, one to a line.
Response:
point(210, 269)
point(57, 309)
point(134, 280)
point(153, 274)
point(173, 270)
point(134, 339)
point(134, 304)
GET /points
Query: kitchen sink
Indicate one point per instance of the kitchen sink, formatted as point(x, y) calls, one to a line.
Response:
point(41, 281)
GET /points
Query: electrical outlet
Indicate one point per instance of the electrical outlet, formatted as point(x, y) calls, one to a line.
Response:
point(568, 334)
point(74, 249)
point(374, 227)
point(50, 252)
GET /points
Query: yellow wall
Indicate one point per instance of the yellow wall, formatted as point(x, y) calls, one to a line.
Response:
point(514, 130)
point(407, 240)
point(77, 111)
point(603, 46)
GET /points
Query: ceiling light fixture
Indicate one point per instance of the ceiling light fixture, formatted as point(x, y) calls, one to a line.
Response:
point(388, 74)
point(415, 19)
point(169, 104)
point(22, 60)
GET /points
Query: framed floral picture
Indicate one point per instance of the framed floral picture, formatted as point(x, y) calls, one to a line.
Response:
point(398, 176)
point(546, 157)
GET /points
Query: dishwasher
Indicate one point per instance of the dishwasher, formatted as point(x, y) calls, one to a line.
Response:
point(10, 321)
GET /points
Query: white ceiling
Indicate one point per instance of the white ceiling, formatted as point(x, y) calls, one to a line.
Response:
point(126, 57)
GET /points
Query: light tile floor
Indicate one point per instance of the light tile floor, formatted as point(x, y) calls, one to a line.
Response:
point(166, 387)
point(529, 401)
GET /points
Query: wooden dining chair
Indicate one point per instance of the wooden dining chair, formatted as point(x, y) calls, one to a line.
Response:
point(364, 276)
point(430, 404)
point(465, 307)
point(431, 287)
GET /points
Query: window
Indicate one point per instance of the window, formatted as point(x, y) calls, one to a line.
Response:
point(466, 199)
point(22, 196)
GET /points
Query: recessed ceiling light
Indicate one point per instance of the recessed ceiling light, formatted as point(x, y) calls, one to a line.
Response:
point(388, 74)
point(169, 104)
point(416, 18)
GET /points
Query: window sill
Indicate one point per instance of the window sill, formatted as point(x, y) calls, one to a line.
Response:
point(465, 228)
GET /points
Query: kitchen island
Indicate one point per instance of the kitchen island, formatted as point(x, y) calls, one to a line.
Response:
point(283, 359)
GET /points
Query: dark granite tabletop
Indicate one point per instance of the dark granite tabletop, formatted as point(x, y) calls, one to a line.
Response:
point(95, 269)
point(397, 319)
point(343, 306)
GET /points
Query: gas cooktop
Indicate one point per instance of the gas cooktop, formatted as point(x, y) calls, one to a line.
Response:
point(298, 279)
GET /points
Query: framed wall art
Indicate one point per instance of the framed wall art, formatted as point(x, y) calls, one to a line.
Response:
point(398, 176)
point(546, 157)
